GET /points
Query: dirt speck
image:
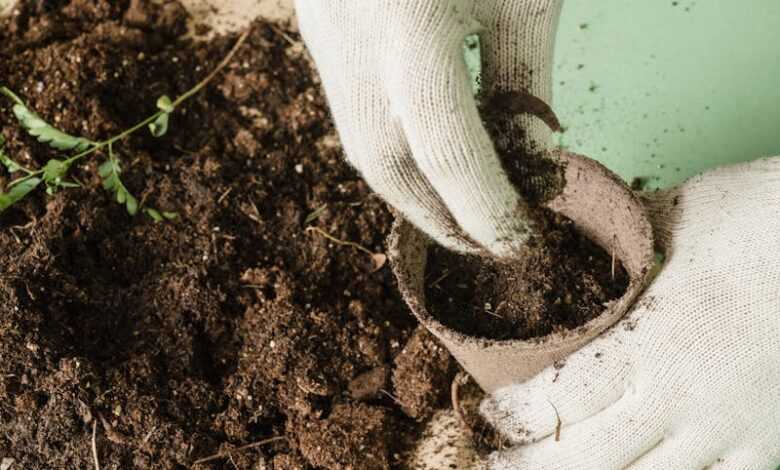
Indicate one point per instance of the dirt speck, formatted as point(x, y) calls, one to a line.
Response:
point(423, 373)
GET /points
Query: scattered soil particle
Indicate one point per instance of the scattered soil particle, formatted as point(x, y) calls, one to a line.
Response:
point(361, 427)
point(368, 384)
point(227, 327)
point(466, 398)
point(559, 282)
point(423, 373)
point(638, 183)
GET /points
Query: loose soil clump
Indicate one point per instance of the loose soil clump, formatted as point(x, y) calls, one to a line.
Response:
point(233, 324)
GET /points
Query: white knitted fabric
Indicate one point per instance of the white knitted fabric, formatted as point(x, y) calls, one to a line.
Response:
point(400, 94)
point(691, 378)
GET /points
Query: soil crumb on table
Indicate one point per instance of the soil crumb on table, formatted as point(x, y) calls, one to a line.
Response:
point(560, 281)
point(232, 325)
point(423, 375)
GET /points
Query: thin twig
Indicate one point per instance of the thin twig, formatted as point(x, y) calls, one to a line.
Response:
point(339, 242)
point(148, 435)
point(16, 237)
point(457, 382)
point(224, 195)
point(558, 423)
point(392, 397)
point(378, 259)
point(613, 257)
point(305, 389)
point(94, 444)
point(441, 278)
point(209, 77)
point(315, 214)
point(494, 314)
point(286, 36)
point(222, 455)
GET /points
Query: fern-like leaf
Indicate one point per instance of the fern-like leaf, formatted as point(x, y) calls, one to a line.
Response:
point(110, 171)
point(54, 173)
point(42, 130)
point(159, 126)
point(160, 216)
point(165, 104)
point(55, 170)
point(18, 192)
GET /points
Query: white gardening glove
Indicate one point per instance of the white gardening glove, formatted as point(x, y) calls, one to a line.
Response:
point(691, 378)
point(401, 97)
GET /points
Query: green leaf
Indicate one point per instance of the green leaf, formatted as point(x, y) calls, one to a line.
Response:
point(165, 104)
point(53, 188)
point(55, 170)
point(131, 204)
point(315, 214)
point(105, 170)
point(153, 214)
point(11, 165)
point(18, 192)
point(45, 132)
point(110, 171)
point(54, 173)
point(159, 126)
point(158, 216)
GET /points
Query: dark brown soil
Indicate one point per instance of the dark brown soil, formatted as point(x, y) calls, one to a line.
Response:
point(559, 282)
point(230, 326)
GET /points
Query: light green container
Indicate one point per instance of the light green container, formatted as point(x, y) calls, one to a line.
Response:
point(666, 89)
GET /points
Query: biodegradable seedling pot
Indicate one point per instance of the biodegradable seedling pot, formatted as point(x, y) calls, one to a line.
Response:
point(603, 208)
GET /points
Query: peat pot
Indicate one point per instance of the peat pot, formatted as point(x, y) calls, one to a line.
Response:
point(603, 208)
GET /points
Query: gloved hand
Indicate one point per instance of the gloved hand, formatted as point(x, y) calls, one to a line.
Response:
point(401, 97)
point(691, 378)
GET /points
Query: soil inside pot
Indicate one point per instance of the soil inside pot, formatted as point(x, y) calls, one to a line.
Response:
point(229, 326)
point(561, 281)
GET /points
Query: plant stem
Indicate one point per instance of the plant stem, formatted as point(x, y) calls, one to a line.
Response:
point(23, 178)
point(99, 145)
point(339, 242)
point(214, 72)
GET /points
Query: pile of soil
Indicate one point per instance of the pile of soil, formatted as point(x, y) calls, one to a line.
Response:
point(232, 325)
point(559, 282)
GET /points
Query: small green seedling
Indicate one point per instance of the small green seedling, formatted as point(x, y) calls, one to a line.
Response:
point(54, 174)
